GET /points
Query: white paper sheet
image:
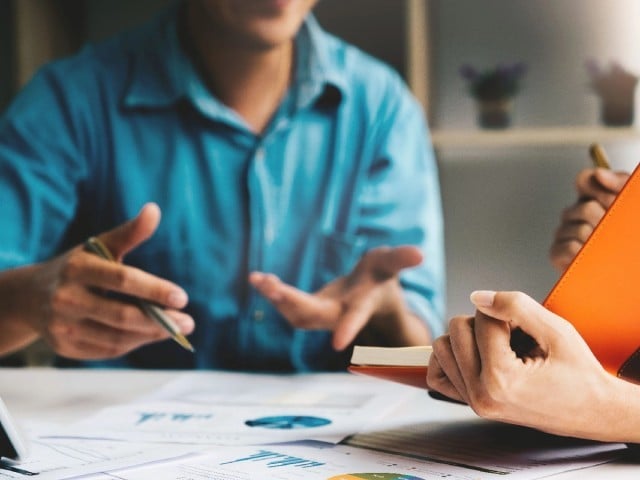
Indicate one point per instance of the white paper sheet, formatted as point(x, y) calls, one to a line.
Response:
point(70, 458)
point(489, 448)
point(293, 462)
point(242, 409)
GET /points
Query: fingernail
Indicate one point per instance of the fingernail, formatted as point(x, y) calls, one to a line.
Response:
point(178, 298)
point(482, 298)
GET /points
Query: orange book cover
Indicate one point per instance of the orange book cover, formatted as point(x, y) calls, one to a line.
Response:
point(408, 375)
point(599, 292)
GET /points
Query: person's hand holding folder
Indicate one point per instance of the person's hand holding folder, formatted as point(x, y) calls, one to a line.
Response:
point(597, 189)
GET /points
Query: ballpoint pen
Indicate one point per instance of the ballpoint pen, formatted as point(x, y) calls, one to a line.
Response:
point(598, 156)
point(94, 245)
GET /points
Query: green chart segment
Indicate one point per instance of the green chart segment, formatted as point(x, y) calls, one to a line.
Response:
point(375, 476)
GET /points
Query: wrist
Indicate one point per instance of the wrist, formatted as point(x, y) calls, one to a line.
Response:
point(18, 310)
point(622, 409)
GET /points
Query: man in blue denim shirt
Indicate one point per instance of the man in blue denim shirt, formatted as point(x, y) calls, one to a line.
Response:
point(268, 146)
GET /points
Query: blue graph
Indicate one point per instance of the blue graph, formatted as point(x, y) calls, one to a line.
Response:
point(275, 459)
point(147, 417)
point(288, 422)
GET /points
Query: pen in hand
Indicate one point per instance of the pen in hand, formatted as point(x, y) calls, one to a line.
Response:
point(94, 245)
point(598, 156)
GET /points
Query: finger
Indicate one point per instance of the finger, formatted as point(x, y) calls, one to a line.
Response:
point(301, 309)
point(610, 180)
point(493, 340)
point(443, 351)
point(563, 253)
point(386, 262)
point(76, 302)
point(589, 211)
point(96, 272)
point(574, 231)
point(438, 380)
point(351, 323)
point(465, 351)
point(129, 235)
point(519, 310)
point(600, 184)
point(87, 339)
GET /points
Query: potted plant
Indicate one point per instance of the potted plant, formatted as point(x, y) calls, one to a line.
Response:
point(494, 89)
point(615, 86)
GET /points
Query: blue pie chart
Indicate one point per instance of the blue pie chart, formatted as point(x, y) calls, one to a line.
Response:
point(288, 422)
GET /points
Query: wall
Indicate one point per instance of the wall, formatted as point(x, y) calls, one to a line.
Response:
point(553, 37)
point(502, 205)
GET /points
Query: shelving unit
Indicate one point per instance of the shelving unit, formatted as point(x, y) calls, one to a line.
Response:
point(531, 137)
point(424, 46)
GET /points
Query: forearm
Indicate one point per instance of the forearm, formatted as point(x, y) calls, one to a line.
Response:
point(17, 309)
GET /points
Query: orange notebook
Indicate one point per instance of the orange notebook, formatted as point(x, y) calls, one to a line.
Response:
point(599, 293)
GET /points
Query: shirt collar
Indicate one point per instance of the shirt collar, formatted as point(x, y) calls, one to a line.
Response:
point(162, 73)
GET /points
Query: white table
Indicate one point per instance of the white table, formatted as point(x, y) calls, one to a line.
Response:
point(66, 395)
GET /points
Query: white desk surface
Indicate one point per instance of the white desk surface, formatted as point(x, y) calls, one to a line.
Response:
point(66, 395)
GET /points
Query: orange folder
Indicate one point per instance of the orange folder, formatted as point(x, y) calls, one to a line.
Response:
point(599, 293)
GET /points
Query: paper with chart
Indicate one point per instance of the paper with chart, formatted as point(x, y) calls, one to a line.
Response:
point(489, 449)
point(56, 459)
point(241, 409)
point(328, 462)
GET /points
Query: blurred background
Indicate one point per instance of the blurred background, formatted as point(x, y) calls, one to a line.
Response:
point(503, 189)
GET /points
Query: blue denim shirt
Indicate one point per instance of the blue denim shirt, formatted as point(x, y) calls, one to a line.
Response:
point(345, 165)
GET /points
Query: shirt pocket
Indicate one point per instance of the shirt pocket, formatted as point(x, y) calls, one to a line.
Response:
point(338, 254)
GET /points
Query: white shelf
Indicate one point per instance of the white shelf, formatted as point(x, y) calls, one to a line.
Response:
point(531, 137)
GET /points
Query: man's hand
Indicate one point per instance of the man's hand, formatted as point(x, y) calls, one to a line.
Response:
point(63, 300)
point(369, 300)
point(557, 385)
point(597, 189)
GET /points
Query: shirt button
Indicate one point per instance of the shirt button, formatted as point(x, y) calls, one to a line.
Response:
point(258, 315)
point(260, 154)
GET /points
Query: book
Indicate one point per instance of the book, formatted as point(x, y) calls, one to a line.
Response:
point(407, 365)
point(599, 292)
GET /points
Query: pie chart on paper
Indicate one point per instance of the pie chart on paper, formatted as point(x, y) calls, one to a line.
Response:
point(288, 422)
point(375, 476)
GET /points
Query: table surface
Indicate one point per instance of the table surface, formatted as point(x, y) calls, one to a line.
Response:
point(66, 395)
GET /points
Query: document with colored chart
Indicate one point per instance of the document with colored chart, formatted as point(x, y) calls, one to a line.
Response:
point(332, 462)
point(241, 409)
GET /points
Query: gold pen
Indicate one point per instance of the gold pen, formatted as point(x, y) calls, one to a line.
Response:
point(598, 156)
point(94, 245)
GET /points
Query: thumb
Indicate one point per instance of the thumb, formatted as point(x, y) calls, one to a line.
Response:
point(127, 236)
point(519, 311)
